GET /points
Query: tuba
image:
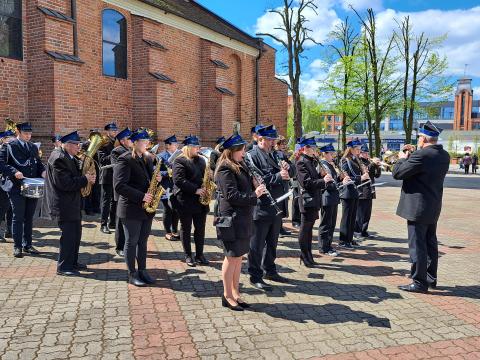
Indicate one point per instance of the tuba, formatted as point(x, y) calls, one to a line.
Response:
point(208, 185)
point(10, 125)
point(156, 190)
point(86, 157)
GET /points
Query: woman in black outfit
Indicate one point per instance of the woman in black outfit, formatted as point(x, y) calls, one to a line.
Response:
point(234, 219)
point(131, 176)
point(311, 184)
point(350, 165)
point(188, 172)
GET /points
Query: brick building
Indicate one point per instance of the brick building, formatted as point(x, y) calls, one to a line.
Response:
point(171, 65)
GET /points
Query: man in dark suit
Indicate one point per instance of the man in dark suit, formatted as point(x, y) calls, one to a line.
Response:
point(423, 173)
point(5, 206)
point(267, 222)
point(19, 160)
point(106, 180)
point(62, 187)
point(123, 137)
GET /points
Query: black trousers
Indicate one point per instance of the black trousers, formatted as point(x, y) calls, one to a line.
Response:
point(23, 209)
point(347, 224)
point(170, 217)
point(69, 244)
point(5, 207)
point(305, 235)
point(423, 249)
point(327, 227)
point(296, 218)
point(198, 220)
point(263, 247)
point(364, 213)
point(474, 168)
point(136, 237)
point(119, 235)
point(108, 205)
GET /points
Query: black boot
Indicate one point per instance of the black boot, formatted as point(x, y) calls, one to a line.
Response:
point(310, 258)
point(104, 229)
point(145, 277)
point(134, 279)
point(305, 260)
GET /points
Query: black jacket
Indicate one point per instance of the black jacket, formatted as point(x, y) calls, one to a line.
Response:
point(187, 179)
point(212, 162)
point(63, 183)
point(131, 178)
point(270, 171)
point(422, 189)
point(351, 168)
point(104, 157)
point(14, 157)
point(311, 184)
point(251, 145)
point(114, 155)
point(236, 196)
point(330, 195)
point(374, 171)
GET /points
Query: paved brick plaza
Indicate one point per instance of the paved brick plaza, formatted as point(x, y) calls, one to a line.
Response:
point(346, 308)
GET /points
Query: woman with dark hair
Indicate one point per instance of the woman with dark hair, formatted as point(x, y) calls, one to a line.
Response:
point(350, 165)
point(234, 220)
point(311, 183)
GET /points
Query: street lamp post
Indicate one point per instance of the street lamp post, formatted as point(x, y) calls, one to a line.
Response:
point(338, 140)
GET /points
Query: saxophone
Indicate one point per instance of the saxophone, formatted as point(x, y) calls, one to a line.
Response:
point(156, 190)
point(208, 185)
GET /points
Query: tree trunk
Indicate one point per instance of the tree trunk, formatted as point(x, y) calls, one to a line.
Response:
point(297, 116)
point(344, 131)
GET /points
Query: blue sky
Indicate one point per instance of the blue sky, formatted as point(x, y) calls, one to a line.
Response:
point(459, 20)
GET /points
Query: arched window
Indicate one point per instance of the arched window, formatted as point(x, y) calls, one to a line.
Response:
point(11, 29)
point(114, 36)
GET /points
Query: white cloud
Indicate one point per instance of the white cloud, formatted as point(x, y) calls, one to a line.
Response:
point(462, 27)
point(376, 5)
point(321, 21)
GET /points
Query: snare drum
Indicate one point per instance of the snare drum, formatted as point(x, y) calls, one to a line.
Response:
point(33, 188)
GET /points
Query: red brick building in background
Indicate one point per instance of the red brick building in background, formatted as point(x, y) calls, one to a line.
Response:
point(170, 65)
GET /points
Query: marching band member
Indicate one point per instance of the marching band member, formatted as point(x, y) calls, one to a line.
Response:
point(280, 154)
point(367, 194)
point(123, 138)
point(131, 178)
point(330, 201)
point(296, 217)
point(106, 180)
point(350, 165)
point(19, 159)
point(254, 132)
point(57, 144)
point(267, 222)
point(170, 215)
point(234, 217)
point(423, 173)
point(63, 183)
point(188, 173)
point(215, 154)
point(311, 184)
point(5, 206)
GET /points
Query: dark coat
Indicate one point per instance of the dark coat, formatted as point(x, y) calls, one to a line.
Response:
point(351, 168)
point(422, 189)
point(236, 196)
point(63, 183)
point(212, 162)
point(187, 179)
point(131, 178)
point(311, 184)
point(374, 172)
point(104, 158)
point(114, 155)
point(270, 171)
point(251, 145)
point(330, 195)
point(14, 157)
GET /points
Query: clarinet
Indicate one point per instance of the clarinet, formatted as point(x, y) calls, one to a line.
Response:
point(257, 175)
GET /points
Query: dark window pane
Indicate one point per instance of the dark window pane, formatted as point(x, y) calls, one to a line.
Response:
point(10, 37)
point(114, 60)
point(114, 26)
point(114, 44)
point(11, 8)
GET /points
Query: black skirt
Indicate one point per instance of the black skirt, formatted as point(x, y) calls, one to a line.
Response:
point(236, 248)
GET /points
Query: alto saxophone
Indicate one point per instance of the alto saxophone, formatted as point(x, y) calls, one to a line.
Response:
point(209, 186)
point(155, 189)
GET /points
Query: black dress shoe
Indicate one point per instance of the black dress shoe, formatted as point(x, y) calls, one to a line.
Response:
point(134, 279)
point(226, 304)
point(17, 252)
point(284, 232)
point(305, 261)
point(261, 285)
point(104, 229)
point(120, 253)
point(243, 304)
point(111, 226)
point(80, 266)
point(31, 250)
point(276, 278)
point(189, 261)
point(68, 272)
point(201, 260)
point(296, 225)
point(413, 287)
point(433, 285)
point(143, 274)
point(311, 259)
